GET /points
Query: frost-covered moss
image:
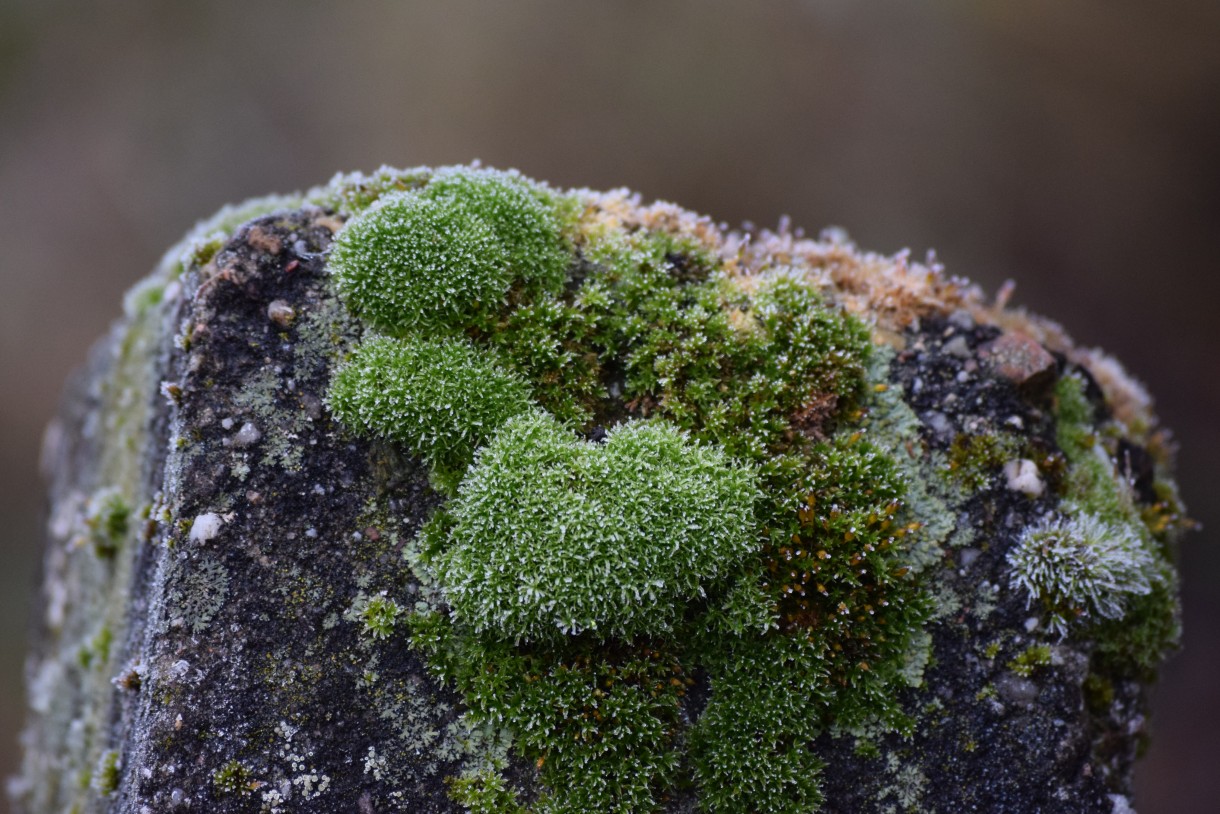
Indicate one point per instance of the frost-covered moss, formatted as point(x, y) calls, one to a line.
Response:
point(437, 257)
point(768, 532)
point(1121, 571)
point(442, 398)
point(556, 535)
point(1081, 568)
point(580, 583)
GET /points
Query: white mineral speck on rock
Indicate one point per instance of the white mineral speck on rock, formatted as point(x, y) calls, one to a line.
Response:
point(1121, 805)
point(205, 527)
point(1023, 477)
point(227, 423)
point(247, 436)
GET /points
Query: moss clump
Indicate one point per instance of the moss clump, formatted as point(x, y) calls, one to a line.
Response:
point(440, 397)
point(1081, 568)
point(1127, 560)
point(600, 722)
point(106, 776)
point(553, 534)
point(379, 616)
point(524, 215)
point(108, 518)
point(974, 459)
point(437, 257)
point(232, 778)
point(484, 792)
point(724, 515)
point(1030, 659)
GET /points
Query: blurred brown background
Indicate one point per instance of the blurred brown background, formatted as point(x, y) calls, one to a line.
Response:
point(1074, 147)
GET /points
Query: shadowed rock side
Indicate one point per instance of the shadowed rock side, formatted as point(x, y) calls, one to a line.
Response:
point(231, 573)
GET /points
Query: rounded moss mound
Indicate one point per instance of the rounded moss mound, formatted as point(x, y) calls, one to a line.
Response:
point(556, 535)
point(438, 256)
point(522, 213)
point(439, 397)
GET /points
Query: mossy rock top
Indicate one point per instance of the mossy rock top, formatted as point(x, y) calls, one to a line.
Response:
point(488, 496)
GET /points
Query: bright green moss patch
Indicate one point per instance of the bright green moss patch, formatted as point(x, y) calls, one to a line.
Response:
point(554, 534)
point(1030, 659)
point(412, 262)
point(522, 213)
point(657, 473)
point(379, 616)
point(440, 397)
point(438, 257)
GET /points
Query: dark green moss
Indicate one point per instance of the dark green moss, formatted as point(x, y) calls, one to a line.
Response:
point(974, 459)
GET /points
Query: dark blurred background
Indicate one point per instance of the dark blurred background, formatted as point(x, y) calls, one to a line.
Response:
point(1073, 147)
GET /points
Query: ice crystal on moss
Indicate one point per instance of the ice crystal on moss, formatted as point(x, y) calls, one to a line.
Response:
point(1081, 567)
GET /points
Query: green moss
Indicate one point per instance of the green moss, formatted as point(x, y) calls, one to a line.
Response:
point(379, 616)
point(1082, 568)
point(554, 535)
point(484, 793)
point(522, 213)
point(1119, 570)
point(106, 776)
point(600, 723)
point(232, 778)
point(974, 459)
point(441, 398)
point(108, 519)
point(438, 257)
point(96, 652)
point(412, 262)
point(1030, 659)
point(728, 514)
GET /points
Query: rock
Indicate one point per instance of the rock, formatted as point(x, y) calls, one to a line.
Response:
point(1020, 359)
point(1022, 475)
point(251, 583)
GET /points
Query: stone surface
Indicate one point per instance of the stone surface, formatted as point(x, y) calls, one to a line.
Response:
point(213, 655)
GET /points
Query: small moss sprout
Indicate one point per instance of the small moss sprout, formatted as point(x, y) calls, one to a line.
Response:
point(1081, 568)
